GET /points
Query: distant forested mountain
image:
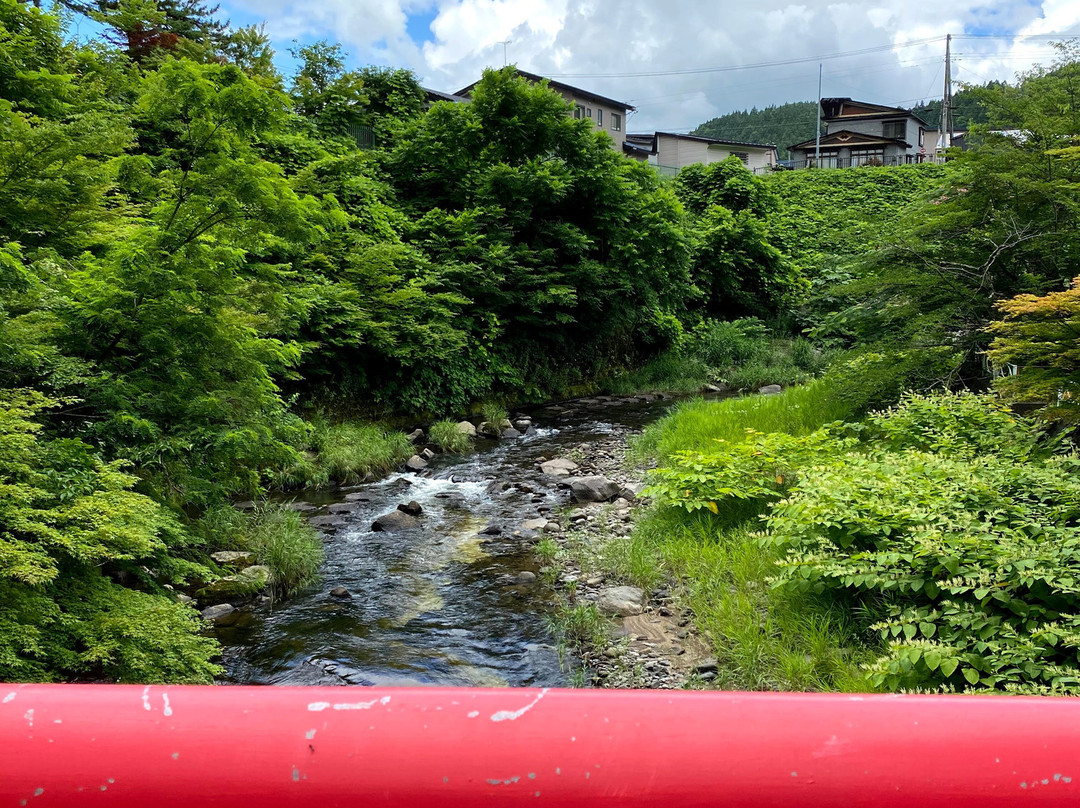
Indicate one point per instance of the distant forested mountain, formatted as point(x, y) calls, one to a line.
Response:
point(967, 108)
point(783, 125)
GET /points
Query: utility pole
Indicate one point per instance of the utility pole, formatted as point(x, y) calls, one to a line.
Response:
point(946, 99)
point(504, 44)
point(817, 130)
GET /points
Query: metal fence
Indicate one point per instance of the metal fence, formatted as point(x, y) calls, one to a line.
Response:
point(855, 162)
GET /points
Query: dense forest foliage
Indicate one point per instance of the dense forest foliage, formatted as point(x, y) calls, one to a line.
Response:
point(207, 268)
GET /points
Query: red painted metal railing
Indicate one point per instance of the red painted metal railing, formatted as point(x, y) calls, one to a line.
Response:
point(155, 747)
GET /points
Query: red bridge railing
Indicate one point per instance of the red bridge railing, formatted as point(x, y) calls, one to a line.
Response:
point(242, 747)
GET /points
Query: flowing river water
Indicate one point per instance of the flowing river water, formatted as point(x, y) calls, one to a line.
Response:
point(444, 604)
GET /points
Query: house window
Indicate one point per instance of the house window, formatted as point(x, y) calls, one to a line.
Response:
point(579, 111)
point(616, 122)
point(922, 135)
point(599, 117)
point(894, 129)
point(588, 111)
point(744, 156)
point(867, 157)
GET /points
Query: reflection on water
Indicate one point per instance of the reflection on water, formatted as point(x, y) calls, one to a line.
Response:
point(440, 605)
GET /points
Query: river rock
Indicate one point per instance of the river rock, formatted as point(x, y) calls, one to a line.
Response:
point(411, 508)
point(465, 428)
point(333, 520)
point(631, 491)
point(715, 388)
point(344, 507)
point(340, 592)
point(223, 614)
point(622, 601)
point(770, 389)
point(242, 585)
point(558, 467)
point(593, 489)
point(416, 463)
point(301, 506)
point(395, 520)
point(523, 423)
point(526, 577)
point(187, 600)
point(359, 496)
point(234, 558)
point(510, 433)
point(534, 524)
point(491, 530)
point(246, 505)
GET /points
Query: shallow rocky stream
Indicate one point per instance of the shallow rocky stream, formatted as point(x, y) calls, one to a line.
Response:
point(455, 601)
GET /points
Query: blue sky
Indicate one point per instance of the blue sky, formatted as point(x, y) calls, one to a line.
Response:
point(600, 44)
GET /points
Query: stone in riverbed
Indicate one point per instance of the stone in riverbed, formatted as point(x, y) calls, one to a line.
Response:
point(491, 530)
point(301, 506)
point(770, 389)
point(395, 520)
point(223, 614)
point(359, 496)
point(340, 592)
point(234, 558)
point(622, 601)
point(631, 491)
point(343, 507)
point(333, 520)
point(534, 524)
point(415, 436)
point(526, 577)
point(558, 467)
point(411, 508)
point(465, 428)
point(593, 489)
point(510, 433)
point(244, 584)
point(416, 463)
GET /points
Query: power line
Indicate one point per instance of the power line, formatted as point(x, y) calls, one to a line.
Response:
point(751, 66)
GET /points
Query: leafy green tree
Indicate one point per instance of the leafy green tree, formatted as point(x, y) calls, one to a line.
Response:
point(1040, 337)
point(69, 524)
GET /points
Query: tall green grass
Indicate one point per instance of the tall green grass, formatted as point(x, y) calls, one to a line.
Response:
point(764, 639)
point(448, 438)
point(276, 537)
point(697, 424)
point(351, 453)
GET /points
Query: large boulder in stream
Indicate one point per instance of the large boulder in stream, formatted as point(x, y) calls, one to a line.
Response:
point(416, 463)
point(770, 390)
point(465, 428)
point(395, 520)
point(593, 489)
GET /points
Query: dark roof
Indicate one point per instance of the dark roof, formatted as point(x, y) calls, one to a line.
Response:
point(833, 140)
point(831, 107)
point(436, 95)
point(558, 85)
point(719, 141)
point(630, 147)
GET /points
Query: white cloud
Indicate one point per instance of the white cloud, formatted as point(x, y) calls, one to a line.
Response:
point(599, 38)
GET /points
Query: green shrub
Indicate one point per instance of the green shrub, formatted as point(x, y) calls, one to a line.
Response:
point(448, 438)
point(725, 344)
point(737, 479)
point(873, 380)
point(493, 413)
point(970, 565)
point(956, 425)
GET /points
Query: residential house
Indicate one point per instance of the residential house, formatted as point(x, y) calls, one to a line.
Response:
point(668, 151)
point(605, 113)
point(859, 133)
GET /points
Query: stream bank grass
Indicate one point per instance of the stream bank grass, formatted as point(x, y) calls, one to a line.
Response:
point(763, 638)
point(352, 452)
point(448, 438)
point(277, 537)
point(695, 425)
